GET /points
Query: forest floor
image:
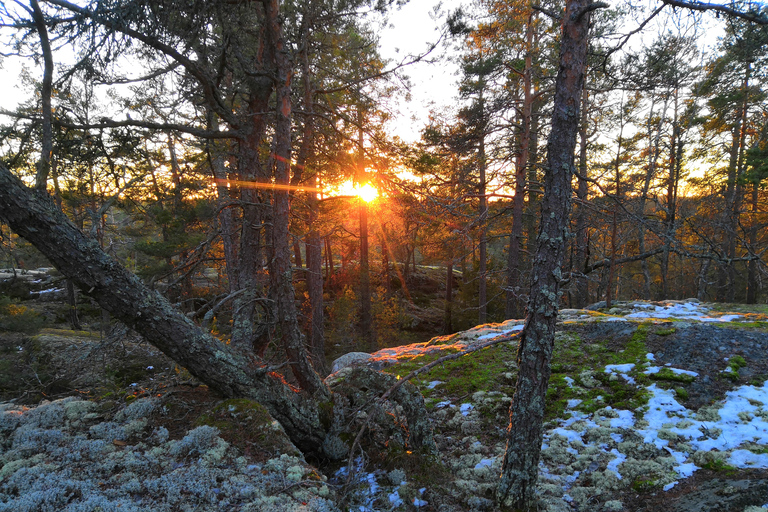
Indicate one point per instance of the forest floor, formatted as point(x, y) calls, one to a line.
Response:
point(650, 405)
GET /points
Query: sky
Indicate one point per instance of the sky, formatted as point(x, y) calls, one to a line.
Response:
point(411, 30)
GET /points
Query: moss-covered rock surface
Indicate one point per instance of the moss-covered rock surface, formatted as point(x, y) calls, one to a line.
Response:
point(650, 405)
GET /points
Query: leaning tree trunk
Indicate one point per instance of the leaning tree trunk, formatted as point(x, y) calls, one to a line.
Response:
point(520, 469)
point(34, 216)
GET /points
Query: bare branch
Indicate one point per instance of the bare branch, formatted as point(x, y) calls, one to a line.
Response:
point(753, 17)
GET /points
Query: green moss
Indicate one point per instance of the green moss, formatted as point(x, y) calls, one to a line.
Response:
point(478, 371)
point(15, 317)
point(645, 485)
point(666, 374)
point(666, 332)
point(719, 465)
point(681, 393)
point(247, 425)
point(326, 413)
point(737, 362)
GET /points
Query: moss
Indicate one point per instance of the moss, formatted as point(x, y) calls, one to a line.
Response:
point(681, 393)
point(477, 371)
point(423, 469)
point(666, 374)
point(665, 332)
point(719, 465)
point(247, 425)
point(644, 485)
point(15, 317)
point(326, 413)
point(737, 362)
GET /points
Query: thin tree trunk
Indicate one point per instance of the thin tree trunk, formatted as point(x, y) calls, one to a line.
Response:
point(582, 240)
point(448, 304)
point(752, 284)
point(517, 486)
point(482, 269)
point(44, 167)
point(313, 240)
point(521, 168)
point(280, 272)
point(366, 323)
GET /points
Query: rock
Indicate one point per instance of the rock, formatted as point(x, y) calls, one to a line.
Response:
point(350, 359)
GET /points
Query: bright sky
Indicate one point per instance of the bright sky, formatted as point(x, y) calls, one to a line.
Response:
point(411, 31)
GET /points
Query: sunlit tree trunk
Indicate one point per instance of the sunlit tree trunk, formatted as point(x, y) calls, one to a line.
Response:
point(448, 303)
point(366, 323)
point(483, 244)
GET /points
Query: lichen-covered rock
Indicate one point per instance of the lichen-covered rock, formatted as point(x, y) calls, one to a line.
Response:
point(402, 420)
point(52, 465)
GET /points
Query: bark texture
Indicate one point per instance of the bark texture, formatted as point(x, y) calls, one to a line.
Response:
point(516, 490)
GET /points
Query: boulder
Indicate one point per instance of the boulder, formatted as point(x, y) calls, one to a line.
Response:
point(350, 359)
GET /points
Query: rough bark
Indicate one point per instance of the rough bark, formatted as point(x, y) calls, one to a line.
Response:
point(313, 240)
point(230, 372)
point(448, 304)
point(675, 155)
point(483, 245)
point(366, 323)
point(752, 281)
point(517, 485)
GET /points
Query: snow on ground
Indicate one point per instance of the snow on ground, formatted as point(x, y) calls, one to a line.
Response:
point(681, 311)
point(606, 444)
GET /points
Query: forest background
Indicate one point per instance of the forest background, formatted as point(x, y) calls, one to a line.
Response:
point(669, 198)
point(215, 172)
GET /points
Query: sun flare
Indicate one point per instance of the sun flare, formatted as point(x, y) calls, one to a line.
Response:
point(367, 192)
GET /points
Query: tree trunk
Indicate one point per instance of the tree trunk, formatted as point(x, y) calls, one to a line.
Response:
point(581, 282)
point(281, 279)
point(482, 268)
point(521, 168)
point(366, 324)
point(313, 240)
point(675, 155)
point(448, 304)
point(752, 283)
point(517, 486)
point(44, 167)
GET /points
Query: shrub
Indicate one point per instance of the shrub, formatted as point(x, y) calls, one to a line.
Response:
point(17, 318)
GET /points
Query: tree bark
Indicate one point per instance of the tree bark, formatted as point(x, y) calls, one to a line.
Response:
point(483, 245)
point(517, 485)
point(448, 304)
point(366, 323)
point(581, 260)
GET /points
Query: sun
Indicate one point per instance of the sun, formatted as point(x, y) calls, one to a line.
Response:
point(367, 192)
